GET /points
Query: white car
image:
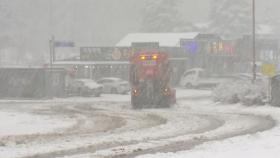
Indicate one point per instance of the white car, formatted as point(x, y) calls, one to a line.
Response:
point(84, 87)
point(197, 78)
point(114, 85)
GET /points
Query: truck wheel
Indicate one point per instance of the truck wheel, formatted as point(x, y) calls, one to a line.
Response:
point(136, 103)
point(164, 102)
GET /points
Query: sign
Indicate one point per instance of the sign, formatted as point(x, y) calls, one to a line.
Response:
point(116, 55)
point(221, 48)
point(190, 46)
point(64, 44)
point(144, 46)
point(174, 52)
point(149, 63)
point(105, 53)
point(268, 69)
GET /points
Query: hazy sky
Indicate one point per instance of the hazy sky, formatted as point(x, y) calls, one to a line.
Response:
point(100, 22)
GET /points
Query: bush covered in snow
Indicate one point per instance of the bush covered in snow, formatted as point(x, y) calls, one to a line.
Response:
point(240, 91)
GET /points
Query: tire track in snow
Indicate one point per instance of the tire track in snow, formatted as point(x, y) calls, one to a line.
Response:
point(83, 118)
point(212, 123)
point(261, 123)
point(176, 141)
point(245, 124)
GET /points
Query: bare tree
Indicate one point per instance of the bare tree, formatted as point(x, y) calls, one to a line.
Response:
point(230, 18)
point(162, 16)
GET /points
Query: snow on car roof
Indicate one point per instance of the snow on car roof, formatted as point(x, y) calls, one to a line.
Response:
point(164, 39)
point(85, 80)
point(196, 69)
point(89, 82)
point(112, 78)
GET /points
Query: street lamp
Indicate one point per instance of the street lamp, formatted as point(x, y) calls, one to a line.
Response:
point(254, 40)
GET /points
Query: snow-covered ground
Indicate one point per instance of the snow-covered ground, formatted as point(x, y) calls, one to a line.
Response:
point(192, 94)
point(192, 118)
point(260, 145)
point(102, 98)
point(16, 123)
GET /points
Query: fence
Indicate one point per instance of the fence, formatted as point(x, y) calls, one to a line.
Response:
point(31, 83)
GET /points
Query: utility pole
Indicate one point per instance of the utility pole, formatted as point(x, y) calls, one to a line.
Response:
point(51, 43)
point(51, 53)
point(254, 40)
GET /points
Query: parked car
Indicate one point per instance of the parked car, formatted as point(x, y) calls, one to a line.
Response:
point(197, 78)
point(114, 85)
point(84, 87)
point(248, 77)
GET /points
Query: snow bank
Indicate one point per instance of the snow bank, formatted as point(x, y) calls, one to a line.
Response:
point(240, 91)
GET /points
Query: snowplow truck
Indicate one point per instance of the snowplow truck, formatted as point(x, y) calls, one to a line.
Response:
point(149, 78)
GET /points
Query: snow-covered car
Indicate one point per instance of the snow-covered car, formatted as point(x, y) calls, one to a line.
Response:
point(114, 85)
point(197, 78)
point(84, 87)
point(248, 77)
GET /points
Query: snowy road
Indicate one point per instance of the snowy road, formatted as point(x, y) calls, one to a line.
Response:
point(108, 127)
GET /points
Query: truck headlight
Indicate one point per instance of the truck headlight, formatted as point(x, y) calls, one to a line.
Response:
point(166, 91)
point(135, 92)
